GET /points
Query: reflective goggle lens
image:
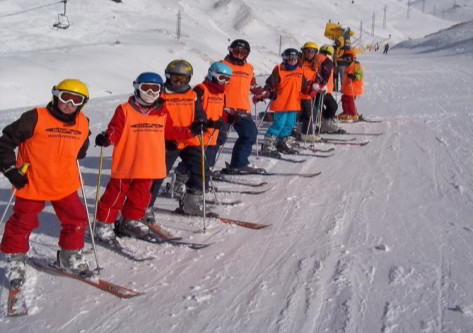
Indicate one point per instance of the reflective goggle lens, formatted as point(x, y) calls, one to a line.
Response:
point(154, 87)
point(179, 78)
point(310, 51)
point(240, 51)
point(292, 57)
point(69, 97)
point(223, 78)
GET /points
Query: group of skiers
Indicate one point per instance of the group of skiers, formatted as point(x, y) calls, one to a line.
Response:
point(164, 119)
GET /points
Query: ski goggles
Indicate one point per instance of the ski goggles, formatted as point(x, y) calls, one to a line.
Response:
point(184, 79)
point(69, 97)
point(240, 50)
point(291, 57)
point(149, 87)
point(223, 78)
point(309, 51)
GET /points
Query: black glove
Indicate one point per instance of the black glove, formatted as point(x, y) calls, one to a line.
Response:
point(16, 177)
point(234, 118)
point(352, 76)
point(216, 123)
point(102, 140)
point(198, 125)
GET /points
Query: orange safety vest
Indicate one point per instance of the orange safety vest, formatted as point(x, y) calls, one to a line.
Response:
point(140, 152)
point(213, 105)
point(288, 91)
point(237, 91)
point(309, 73)
point(181, 108)
point(319, 59)
point(353, 87)
point(52, 154)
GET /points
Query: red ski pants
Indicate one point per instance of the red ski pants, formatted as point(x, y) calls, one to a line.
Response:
point(131, 194)
point(69, 210)
point(348, 105)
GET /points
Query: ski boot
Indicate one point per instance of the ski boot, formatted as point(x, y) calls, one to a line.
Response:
point(74, 262)
point(192, 204)
point(329, 126)
point(268, 148)
point(105, 233)
point(283, 146)
point(311, 138)
point(131, 228)
point(15, 269)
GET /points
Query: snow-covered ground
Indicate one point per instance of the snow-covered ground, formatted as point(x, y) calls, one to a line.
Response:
point(381, 241)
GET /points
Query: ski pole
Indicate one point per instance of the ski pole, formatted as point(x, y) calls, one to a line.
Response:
point(97, 192)
point(259, 125)
point(311, 118)
point(319, 113)
point(221, 147)
point(23, 170)
point(202, 167)
point(88, 218)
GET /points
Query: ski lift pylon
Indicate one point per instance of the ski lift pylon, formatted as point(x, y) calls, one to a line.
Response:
point(62, 19)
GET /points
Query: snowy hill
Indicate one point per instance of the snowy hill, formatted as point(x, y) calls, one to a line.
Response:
point(379, 242)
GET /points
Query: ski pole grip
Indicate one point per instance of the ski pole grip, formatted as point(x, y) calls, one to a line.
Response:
point(24, 167)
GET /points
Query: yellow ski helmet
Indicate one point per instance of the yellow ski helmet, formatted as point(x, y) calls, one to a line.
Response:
point(71, 85)
point(327, 48)
point(310, 45)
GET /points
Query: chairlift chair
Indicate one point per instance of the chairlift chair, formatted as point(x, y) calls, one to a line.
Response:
point(62, 19)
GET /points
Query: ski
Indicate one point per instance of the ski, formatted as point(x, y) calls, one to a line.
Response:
point(314, 155)
point(329, 140)
point(352, 133)
point(117, 248)
point(16, 303)
point(282, 174)
point(249, 225)
point(250, 192)
point(346, 143)
point(223, 203)
point(155, 238)
point(282, 158)
point(361, 120)
point(223, 179)
point(106, 286)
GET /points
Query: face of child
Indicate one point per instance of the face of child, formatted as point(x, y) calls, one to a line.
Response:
point(66, 108)
point(292, 61)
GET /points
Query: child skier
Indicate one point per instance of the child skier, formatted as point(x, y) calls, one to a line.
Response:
point(353, 86)
point(287, 81)
point(237, 102)
point(324, 65)
point(138, 131)
point(308, 64)
point(50, 139)
point(184, 109)
point(211, 94)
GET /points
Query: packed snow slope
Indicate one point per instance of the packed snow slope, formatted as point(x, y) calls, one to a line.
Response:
point(381, 241)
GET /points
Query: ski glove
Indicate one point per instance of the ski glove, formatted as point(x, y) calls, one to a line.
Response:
point(198, 125)
point(16, 177)
point(257, 90)
point(234, 117)
point(352, 76)
point(102, 140)
point(216, 123)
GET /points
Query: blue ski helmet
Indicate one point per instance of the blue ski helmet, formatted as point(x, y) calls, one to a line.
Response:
point(219, 73)
point(148, 96)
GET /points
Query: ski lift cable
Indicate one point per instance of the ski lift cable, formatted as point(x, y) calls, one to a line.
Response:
point(30, 9)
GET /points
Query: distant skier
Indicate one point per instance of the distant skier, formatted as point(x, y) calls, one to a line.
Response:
point(386, 48)
point(50, 139)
